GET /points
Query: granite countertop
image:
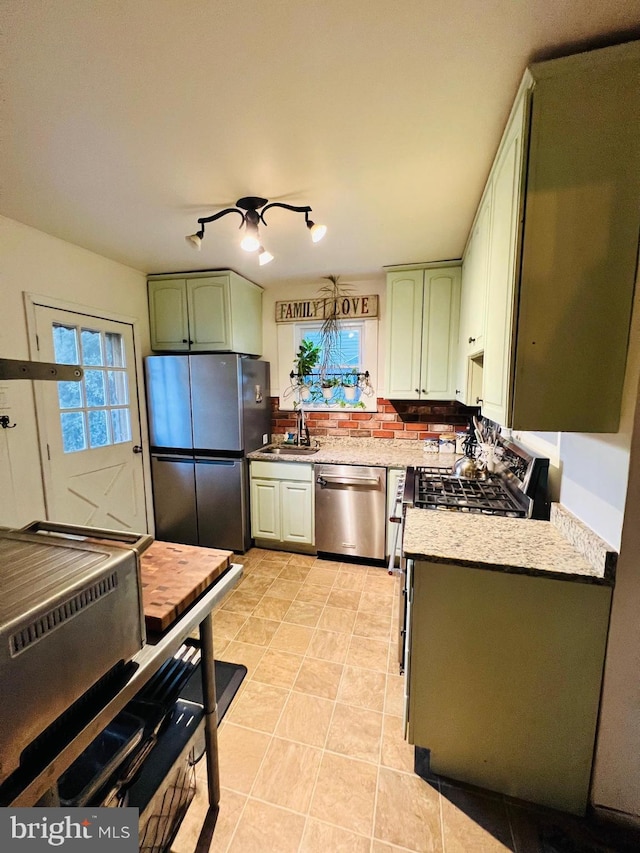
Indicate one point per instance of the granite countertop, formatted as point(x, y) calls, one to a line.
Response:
point(386, 452)
point(561, 548)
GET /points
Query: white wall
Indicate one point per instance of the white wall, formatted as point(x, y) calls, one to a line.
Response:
point(595, 468)
point(34, 262)
point(616, 781)
point(601, 484)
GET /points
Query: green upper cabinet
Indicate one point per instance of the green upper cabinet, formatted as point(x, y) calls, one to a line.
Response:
point(168, 315)
point(500, 269)
point(473, 305)
point(423, 308)
point(205, 312)
point(563, 245)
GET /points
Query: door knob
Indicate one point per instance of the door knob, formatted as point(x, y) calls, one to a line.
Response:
point(137, 448)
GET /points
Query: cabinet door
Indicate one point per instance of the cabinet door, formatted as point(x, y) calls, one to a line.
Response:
point(168, 315)
point(404, 334)
point(208, 300)
point(265, 509)
point(474, 280)
point(504, 247)
point(440, 320)
point(474, 305)
point(296, 504)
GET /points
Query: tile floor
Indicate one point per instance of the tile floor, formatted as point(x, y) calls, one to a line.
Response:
point(311, 751)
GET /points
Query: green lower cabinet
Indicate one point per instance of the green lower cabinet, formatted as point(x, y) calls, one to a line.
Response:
point(504, 679)
point(282, 505)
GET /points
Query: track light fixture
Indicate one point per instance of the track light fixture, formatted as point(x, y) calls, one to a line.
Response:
point(252, 209)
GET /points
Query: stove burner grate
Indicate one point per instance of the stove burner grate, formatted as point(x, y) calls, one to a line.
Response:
point(436, 489)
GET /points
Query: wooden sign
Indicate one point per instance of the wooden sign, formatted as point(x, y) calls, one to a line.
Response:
point(347, 308)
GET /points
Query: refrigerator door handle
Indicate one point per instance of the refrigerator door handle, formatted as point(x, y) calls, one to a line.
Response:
point(203, 460)
point(174, 459)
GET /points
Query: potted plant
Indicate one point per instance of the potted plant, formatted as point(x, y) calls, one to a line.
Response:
point(328, 385)
point(350, 385)
point(306, 359)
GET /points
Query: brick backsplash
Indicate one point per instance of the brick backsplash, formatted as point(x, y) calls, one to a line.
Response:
point(398, 419)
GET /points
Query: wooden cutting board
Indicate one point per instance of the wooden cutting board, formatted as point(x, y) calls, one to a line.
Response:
point(173, 576)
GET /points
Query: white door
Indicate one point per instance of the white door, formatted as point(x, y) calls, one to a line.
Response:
point(91, 429)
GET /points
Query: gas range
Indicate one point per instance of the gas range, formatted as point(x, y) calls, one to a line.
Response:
point(517, 487)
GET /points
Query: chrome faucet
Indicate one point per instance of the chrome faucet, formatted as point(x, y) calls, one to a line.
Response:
point(302, 437)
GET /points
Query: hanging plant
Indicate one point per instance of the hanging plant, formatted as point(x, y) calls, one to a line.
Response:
point(333, 294)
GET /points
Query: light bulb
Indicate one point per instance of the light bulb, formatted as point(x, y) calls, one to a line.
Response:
point(264, 257)
point(250, 243)
point(318, 232)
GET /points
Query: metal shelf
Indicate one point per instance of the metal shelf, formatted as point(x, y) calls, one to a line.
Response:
point(144, 665)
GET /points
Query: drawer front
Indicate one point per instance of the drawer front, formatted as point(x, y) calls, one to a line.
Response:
point(282, 470)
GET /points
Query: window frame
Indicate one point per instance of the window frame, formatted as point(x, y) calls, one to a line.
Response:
point(289, 336)
point(87, 409)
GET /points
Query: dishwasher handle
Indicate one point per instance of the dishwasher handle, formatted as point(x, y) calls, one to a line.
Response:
point(324, 479)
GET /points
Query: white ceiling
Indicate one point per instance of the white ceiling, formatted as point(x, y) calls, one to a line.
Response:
point(123, 121)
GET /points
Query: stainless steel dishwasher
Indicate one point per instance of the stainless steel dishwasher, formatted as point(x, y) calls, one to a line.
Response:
point(351, 510)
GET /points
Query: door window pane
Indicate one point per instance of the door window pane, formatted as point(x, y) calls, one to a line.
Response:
point(74, 436)
point(91, 347)
point(65, 345)
point(95, 388)
point(118, 390)
point(70, 395)
point(121, 425)
point(98, 428)
point(114, 346)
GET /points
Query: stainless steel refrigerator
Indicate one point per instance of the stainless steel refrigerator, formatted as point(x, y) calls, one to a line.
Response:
point(206, 412)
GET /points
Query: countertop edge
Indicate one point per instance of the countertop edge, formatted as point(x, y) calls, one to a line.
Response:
point(506, 568)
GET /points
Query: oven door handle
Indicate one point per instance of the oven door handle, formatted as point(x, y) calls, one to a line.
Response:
point(348, 481)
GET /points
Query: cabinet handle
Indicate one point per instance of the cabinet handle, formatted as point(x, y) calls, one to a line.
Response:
point(185, 341)
point(479, 400)
point(424, 390)
point(417, 390)
point(458, 391)
point(472, 340)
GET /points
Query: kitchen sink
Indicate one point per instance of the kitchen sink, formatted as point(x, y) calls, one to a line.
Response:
point(290, 451)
